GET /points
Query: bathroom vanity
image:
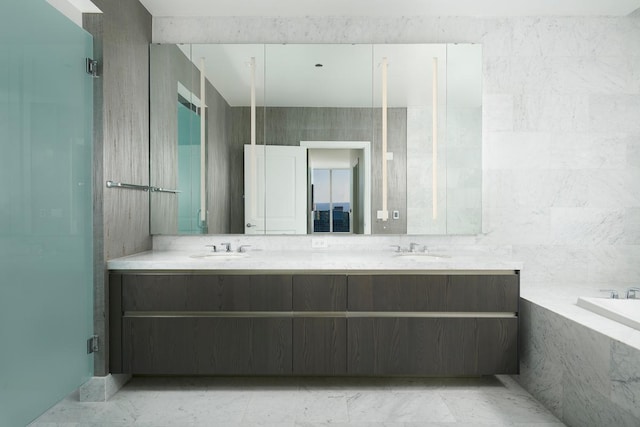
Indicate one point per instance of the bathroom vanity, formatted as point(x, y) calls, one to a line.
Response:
point(261, 316)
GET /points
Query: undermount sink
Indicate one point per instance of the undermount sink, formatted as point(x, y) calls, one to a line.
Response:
point(421, 255)
point(220, 255)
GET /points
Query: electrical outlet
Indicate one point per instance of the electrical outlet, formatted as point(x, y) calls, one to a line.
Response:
point(318, 243)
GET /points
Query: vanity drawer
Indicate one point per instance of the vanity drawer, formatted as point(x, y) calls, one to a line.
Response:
point(320, 293)
point(429, 293)
point(432, 346)
point(207, 346)
point(206, 292)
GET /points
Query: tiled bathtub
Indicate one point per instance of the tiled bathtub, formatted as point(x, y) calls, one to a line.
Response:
point(625, 311)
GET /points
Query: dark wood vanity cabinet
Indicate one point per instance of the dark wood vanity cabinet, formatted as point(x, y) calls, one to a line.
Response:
point(314, 324)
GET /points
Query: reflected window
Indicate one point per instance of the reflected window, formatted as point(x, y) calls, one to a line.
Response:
point(331, 200)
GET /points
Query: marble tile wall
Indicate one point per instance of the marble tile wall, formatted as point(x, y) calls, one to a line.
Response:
point(561, 139)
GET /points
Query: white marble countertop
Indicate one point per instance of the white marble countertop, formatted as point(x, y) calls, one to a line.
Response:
point(309, 261)
point(558, 297)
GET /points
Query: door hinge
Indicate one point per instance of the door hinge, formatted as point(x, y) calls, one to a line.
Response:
point(92, 344)
point(92, 67)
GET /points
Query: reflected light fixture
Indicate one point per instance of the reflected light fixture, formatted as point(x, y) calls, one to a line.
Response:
point(203, 144)
point(384, 215)
point(434, 138)
point(254, 186)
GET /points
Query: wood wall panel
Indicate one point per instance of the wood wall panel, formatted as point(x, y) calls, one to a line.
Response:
point(121, 34)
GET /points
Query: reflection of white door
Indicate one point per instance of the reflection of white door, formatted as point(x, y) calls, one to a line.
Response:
point(275, 189)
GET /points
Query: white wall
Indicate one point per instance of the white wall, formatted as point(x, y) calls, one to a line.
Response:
point(561, 123)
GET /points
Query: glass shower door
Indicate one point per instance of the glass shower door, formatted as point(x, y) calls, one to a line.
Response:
point(46, 252)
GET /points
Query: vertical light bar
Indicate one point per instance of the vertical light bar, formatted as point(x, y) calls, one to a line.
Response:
point(385, 64)
point(254, 184)
point(252, 65)
point(434, 127)
point(203, 144)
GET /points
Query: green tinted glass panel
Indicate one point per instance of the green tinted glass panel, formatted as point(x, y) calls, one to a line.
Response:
point(188, 170)
point(46, 253)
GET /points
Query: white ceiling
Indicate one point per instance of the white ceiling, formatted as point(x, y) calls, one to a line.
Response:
point(475, 8)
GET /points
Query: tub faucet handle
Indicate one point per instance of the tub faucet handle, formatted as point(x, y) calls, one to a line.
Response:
point(632, 292)
point(612, 293)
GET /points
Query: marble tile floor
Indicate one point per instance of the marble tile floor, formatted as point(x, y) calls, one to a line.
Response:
point(307, 402)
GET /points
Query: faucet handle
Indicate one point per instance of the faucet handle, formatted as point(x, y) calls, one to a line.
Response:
point(413, 246)
point(398, 248)
point(213, 247)
point(612, 293)
point(632, 291)
point(242, 247)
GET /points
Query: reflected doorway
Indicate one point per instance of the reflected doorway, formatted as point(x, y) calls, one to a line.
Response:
point(331, 200)
point(339, 189)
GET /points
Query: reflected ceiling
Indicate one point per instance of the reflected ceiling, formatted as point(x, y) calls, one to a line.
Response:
point(321, 75)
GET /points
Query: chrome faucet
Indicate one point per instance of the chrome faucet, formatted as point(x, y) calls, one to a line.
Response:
point(631, 292)
point(413, 246)
point(612, 293)
point(227, 246)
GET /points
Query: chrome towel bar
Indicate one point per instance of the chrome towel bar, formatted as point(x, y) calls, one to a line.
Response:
point(113, 184)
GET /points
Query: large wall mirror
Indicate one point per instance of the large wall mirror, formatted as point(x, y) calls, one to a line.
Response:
point(316, 138)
